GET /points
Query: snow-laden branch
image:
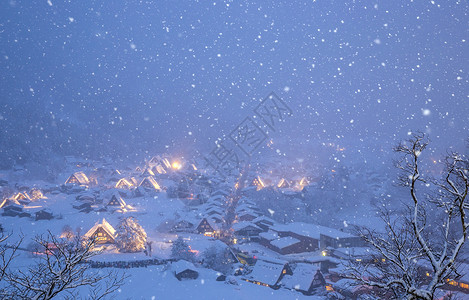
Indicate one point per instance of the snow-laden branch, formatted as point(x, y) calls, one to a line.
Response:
point(415, 262)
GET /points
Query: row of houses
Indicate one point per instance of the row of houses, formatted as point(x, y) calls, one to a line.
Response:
point(294, 184)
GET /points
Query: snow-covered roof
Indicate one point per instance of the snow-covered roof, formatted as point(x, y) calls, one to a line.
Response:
point(123, 182)
point(216, 198)
point(242, 225)
point(269, 235)
point(8, 202)
point(244, 207)
point(220, 192)
point(104, 225)
point(347, 285)
point(116, 200)
point(246, 201)
point(302, 278)
point(284, 242)
point(266, 272)
point(182, 265)
point(310, 230)
point(151, 182)
point(264, 219)
point(80, 177)
point(354, 252)
point(210, 222)
point(214, 210)
point(247, 213)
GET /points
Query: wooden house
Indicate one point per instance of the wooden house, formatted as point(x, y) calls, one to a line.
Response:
point(78, 178)
point(124, 183)
point(208, 228)
point(264, 222)
point(36, 194)
point(313, 237)
point(154, 160)
point(221, 193)
point(22, 198)
point(182, 226)
point(307, 234)
point(103, 232)
point(149, 183)
point(147, 172)
point(283, 184)
point(246, 230)
point(184, 270)
point(12, 210)
point(247, 216)
point(268, 272)
point(9, 201)
point(116, 201)
point(285, 245)
point(44, 214)
point(306, 279)
point(303, 182)
point(83, 206)
point(258, 183)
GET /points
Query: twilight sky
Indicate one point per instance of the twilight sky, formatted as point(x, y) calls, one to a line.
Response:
point(150, 74)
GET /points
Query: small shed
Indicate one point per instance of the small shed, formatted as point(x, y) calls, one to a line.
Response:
point(184, 270)
point(44, 214)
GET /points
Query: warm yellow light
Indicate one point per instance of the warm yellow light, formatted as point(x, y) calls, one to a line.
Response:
point(176, 165)
point(324, 253)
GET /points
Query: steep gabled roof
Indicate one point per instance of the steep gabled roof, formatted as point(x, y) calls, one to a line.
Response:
point(79, 177)
point(8, 202)
point(159, 169)
point(304, 181)
point(116, 200)
point(284, 242)
point(22, 196)
point(210, 222)
point(123, 183)
point(245, 224)
point(283, 183)
point(105, 226)
point(150, 182)
point(148, 172)
point(303, 277)
point(266, 272)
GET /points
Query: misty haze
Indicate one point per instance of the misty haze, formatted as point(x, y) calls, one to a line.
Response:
point(234, 149)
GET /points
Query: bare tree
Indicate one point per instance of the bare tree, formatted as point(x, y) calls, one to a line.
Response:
point(62, 269)
point(7, 254)
point(417, 254)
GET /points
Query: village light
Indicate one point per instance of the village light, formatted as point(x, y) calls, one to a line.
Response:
point(176, 165)
point(324, 253)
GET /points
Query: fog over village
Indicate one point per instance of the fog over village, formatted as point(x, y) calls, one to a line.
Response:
point(234, 149)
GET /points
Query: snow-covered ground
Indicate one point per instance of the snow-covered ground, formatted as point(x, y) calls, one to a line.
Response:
point(157, 283)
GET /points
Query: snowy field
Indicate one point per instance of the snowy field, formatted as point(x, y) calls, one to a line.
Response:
point(157, 283)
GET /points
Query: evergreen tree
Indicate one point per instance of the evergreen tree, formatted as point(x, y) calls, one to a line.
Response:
point(181, 250)
point(218, 259)
point(131, 237)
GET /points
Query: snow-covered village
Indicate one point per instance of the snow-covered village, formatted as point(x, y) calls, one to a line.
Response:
point(234, 150)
